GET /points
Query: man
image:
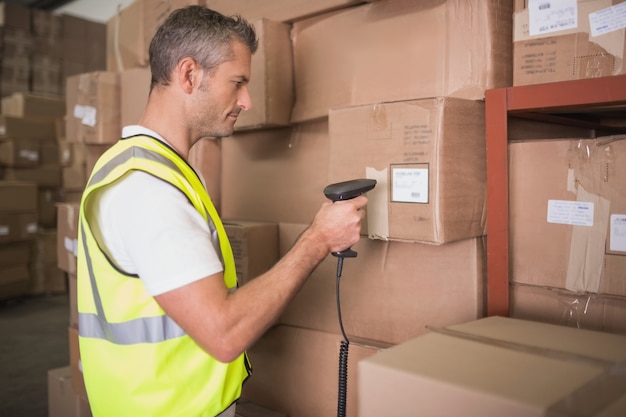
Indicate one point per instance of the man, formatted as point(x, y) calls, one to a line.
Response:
point(163, 328)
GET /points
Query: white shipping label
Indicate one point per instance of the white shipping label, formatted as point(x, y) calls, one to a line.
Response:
point(89, 117)
point(617, 242)
point(71, 245)
point(31, 228)
point(4, 230)
point(29, 155)
point(79, 111)
point(410, 185)
point(576, 213)
point(607, 20)
point(547, 16)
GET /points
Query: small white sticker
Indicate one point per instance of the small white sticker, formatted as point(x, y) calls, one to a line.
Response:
point(29, 155)
point(547, 16)
point(607, 20)
point(4, 230)
point(71, 245)
point(617, 241)
point(89, 117)
point(3, 130)
point(31, 228)
point(79, 111)
point(410, 185)
point(576, 213)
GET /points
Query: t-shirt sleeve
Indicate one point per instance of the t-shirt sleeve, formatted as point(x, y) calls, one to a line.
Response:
point(150, 228)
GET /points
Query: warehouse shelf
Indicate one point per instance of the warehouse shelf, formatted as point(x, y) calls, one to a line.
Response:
point(594, 103)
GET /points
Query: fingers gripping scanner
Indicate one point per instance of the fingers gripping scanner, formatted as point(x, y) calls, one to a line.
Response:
point(335, 192)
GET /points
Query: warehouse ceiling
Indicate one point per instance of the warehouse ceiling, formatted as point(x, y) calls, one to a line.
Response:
point(41, 4)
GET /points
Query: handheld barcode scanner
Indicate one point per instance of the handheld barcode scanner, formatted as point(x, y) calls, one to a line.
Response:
point(345, 191)
point(335, 192)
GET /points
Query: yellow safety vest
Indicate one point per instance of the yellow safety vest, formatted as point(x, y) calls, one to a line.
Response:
point(136, 360)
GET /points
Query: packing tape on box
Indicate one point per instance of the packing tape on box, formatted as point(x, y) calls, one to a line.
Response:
point(586, 401)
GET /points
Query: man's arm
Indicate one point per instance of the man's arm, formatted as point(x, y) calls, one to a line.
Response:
point(226, 323)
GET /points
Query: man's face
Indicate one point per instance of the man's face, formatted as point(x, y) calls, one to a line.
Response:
point(222, 95)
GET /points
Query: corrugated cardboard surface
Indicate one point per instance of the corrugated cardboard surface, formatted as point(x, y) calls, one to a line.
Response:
point(559, 306)
point(497, 367)
point(568, 54)
point(400, 50)
point(570, 255)
point(18, 196)
point(275, 175)
point(93, 108)
point(271, 82)
point(296, 372)
point(391, 290)
point(428, 157)
point(254, 245)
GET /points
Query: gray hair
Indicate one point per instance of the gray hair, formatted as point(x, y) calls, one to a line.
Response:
point(200, 33)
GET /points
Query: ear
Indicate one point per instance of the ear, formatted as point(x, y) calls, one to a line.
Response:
point(188, 74)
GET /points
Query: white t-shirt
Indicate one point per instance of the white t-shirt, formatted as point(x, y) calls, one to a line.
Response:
point(151, 229)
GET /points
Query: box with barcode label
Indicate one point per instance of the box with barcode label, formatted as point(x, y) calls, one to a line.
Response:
point(568, 40)
point(67, 236)
point(93, 108)
point(428, 158)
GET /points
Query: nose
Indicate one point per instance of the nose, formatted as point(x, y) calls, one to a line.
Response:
point(243, 100)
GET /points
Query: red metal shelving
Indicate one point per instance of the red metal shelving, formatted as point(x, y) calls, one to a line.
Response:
point(579, 103)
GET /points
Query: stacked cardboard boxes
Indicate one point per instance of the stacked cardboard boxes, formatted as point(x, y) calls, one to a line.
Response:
point(18, 228)
point(16, 45)
point(571, 193)
point(410, 116)
point(29, 152)
point(40, 49)
point(571, 41)
point(333, 101)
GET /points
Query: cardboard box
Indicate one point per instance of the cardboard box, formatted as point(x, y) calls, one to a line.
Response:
point(312, 390)
point(275, 175)
point(18, 226)
point(78, 381)
point(16, 253)
point(250, 409)
point(271, 83)
point(62, 401)
point(23, 153)
point(279, 10)
point(497, 367)
point(67, 233)
point(205, 156)
point(567, 308)
point(15, 15)
point(16, 196)
point(254, 245)
point(27, 128)
point(345, 58)
point(129, 32)
point(587, 40)
point(135, 88)
point(83, 46)
point(428, 157)
point(567, 209)
point(39, 106)
point(48, 175)
point(93, 108)
point(391, 290)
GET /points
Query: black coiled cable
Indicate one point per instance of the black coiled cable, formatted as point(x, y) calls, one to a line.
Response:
point(343, 352)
